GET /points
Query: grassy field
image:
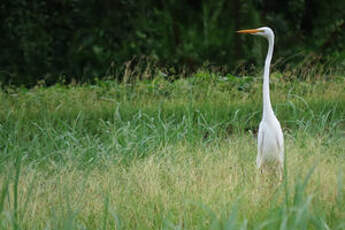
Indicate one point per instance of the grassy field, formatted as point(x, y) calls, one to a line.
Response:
point(171, 155)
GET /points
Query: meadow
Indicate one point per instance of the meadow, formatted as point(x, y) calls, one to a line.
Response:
point(160, 154)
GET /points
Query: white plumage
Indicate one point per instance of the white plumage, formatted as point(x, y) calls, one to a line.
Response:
point(270, 136)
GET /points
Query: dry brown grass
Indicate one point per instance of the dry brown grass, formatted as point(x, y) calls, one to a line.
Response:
point(176, 183)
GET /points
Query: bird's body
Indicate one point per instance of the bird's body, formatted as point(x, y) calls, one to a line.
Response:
point(270, 136)
point(270, 142)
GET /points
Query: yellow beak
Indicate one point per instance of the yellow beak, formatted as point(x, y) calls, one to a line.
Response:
point(251, 31)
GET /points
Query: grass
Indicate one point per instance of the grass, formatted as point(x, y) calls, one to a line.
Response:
point(170, 155)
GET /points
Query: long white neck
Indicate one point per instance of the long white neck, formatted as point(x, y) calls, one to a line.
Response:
point(267, 107)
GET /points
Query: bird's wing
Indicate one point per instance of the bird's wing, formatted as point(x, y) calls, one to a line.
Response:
point(280, 144)
point(261, 137)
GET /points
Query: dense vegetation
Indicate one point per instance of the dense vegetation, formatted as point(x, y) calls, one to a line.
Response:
point(171, 155)
point(151, 114)
point(57, 41)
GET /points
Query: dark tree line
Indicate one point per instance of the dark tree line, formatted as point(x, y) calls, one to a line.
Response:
point(82, 39)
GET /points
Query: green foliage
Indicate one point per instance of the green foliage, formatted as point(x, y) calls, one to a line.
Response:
point(205, 105)
point(50, 41)
point(160, 154)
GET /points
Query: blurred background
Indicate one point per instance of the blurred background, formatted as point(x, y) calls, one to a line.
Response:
point(81, 40)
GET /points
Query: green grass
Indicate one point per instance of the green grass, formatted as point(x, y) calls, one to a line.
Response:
point(170, 155)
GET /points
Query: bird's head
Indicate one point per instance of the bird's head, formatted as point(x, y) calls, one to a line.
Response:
point(262, 31)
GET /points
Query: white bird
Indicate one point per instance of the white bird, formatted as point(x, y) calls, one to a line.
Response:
point(270, 137)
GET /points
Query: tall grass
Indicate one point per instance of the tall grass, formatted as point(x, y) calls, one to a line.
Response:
point(170, 155)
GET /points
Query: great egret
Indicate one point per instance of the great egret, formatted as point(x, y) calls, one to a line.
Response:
point(270, 137)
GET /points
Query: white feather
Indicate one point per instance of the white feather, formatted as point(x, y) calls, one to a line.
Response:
point(270, 136)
